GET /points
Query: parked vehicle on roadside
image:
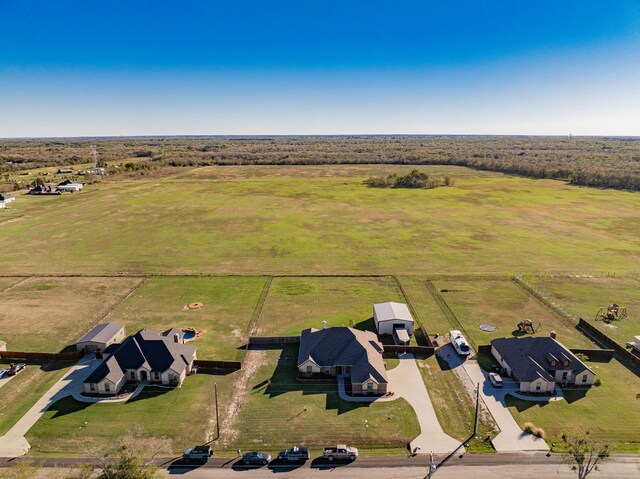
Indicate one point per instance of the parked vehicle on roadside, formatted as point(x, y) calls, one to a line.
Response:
point(3, 372)
point(496, 380)
point(340, 452)
point(294, 454)
point(256, 457)
point(459, 343)
point(197, 454)
point(15, 368)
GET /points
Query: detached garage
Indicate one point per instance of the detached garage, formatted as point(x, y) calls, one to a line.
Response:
point(100, 337)
point(393, 318)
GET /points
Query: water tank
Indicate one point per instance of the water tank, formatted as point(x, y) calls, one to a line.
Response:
point(324, 325)
point(553, 334)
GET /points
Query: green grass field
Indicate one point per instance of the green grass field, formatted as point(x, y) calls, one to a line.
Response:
point(48, 314)
point(584, 296)
point(287, 411)
point(503, 304)
point(185, 415)
point(323, 219)
point(294, 304)
point(610, 412)
point(24, 390)
point(229, 303)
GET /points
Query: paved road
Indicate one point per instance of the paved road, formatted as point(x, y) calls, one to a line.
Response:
point(405, 380)
point(511, 438)
point(13, 443)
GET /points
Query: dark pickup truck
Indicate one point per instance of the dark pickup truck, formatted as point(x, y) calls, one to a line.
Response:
point(294, 454)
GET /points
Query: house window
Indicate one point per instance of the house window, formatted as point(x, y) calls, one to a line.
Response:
point(92, 386)
point(369, 386)
point(564, 375)
point(327, 370)
point(132, 374)
point(538, 387)
point(156, 376)
point(584, 378)
point(309, 369)
point(106, 387)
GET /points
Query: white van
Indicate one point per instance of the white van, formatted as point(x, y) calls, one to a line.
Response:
point(459, 343)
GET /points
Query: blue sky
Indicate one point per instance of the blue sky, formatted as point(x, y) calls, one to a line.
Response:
point(88, 67)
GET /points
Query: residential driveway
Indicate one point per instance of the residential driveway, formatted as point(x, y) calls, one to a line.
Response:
point(511, 438)
point(13, 443)
point(405, 380)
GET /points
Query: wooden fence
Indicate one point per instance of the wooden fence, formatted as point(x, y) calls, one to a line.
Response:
point(27, 356)
point(599, 336)
point(213, 364)
point(425, 351)
point(273, 340)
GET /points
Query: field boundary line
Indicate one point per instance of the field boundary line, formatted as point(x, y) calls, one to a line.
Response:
point(113, 306)
point(257, 313)
point(413, 310)
point(540, 297)
point(16, 284)
point(448, 312)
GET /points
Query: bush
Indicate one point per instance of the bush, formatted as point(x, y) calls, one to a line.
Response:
point(536, 431)
point(597, 382)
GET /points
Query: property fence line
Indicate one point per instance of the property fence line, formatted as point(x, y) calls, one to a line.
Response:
point(594, 332)
point(593, 354)
point(544, 299)
point(447, 311)
point(273, 340)
point(425, 351)
point(214, 364)
point(257, 312)
point(414, 312)
point(70, 356)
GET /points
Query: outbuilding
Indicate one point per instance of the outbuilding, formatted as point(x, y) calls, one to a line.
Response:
point(100, 337)
point(393, 319)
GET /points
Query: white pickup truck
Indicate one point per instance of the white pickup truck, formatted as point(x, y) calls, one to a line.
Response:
point(459, 343)
point(340, 452)
point(197, 454)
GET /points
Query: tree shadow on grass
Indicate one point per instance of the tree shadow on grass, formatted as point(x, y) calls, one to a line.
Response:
point(284, 379)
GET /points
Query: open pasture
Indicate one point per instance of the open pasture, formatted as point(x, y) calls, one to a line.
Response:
point(287, 411)
point(294, 304)
point(584, 296)
point(48, 314)
point(325, 220)
point(229, 303)
point(503, 303)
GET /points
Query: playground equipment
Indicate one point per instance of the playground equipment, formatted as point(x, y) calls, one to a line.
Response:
point(613, 312)
point(526, 326)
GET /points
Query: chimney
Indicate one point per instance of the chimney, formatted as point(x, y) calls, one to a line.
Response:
point(553, 334)
point(176, 338)
point(324, 325)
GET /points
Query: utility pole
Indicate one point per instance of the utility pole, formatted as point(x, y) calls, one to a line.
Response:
point(431, 468)
point(215, 389)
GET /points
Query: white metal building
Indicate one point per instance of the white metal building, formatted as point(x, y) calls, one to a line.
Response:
point(392, 316)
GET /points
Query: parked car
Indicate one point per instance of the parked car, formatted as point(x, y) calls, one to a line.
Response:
point(294, 454)
point(459, 343)
point(197, 453)
point(15, 368)
point(340, 452)
point(256, 457)
point(3, 372)
point(496, 380)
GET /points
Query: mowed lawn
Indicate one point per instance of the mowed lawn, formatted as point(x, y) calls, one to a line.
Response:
point(48, 314)
point(610, 412)
point(23, 391)
point(229, 304)
point(294, 304)
point(503, 303)
point(185, 415)
point(324, 219)
point(584, 296)
point(281, 411)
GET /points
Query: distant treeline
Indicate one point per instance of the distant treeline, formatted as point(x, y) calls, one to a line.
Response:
point(589, 161)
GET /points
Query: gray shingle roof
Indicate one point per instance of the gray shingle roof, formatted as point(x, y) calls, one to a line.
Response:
point(530, 358)
point(152, 349)
point(102, 333)
point(343, 346)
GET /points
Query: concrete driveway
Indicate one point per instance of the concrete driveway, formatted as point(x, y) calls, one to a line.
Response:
point(511, 438)
point(406, 381)
point(13, 443)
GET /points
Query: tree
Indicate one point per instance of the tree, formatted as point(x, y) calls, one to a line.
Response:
point(583, 454)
